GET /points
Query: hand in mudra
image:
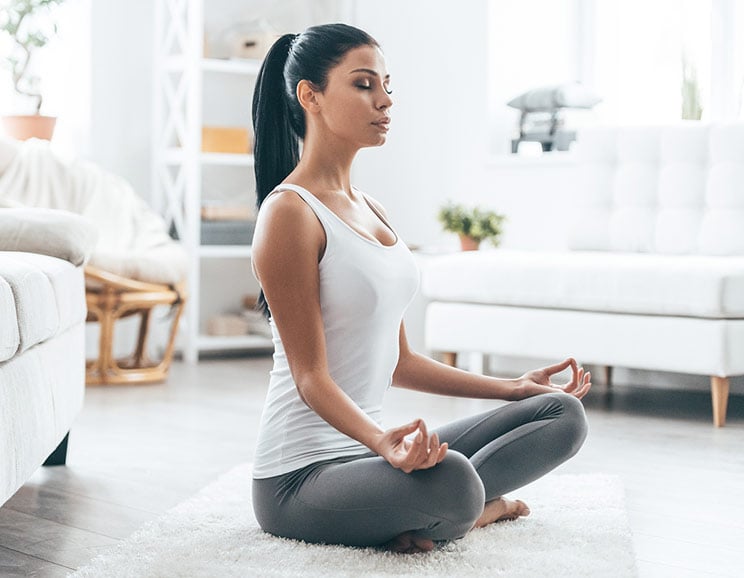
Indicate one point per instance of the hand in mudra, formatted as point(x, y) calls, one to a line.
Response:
point(539, 381)
point(422, 452)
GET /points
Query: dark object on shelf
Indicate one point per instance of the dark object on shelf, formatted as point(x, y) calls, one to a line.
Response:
point(227, 232)
point(541, 120)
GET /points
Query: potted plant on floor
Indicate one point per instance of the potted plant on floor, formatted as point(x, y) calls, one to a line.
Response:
point(472, 225)
point(29, 25)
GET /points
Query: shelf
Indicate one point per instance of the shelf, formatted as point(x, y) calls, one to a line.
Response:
point(232, 159)
point(217, 343)
point(224, 251)
point(550, 159)
point(231, 66)
point(174, 156)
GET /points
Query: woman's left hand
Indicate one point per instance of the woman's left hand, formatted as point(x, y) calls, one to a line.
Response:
point(539, 381)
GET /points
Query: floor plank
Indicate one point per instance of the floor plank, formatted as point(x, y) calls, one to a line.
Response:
point(137, 451)
point(14, 564)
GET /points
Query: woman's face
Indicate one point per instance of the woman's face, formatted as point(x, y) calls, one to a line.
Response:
point(355, 105)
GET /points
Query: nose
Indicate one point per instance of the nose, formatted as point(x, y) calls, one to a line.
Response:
point(385, 102)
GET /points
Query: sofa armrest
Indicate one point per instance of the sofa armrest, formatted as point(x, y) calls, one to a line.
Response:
point(50, 232)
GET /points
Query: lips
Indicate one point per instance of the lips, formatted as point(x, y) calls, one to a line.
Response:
point(383, 122)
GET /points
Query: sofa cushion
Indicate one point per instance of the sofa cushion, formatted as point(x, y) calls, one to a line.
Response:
point(673, 190)
point(640, 283)
point(47, 231)
point(40, 297)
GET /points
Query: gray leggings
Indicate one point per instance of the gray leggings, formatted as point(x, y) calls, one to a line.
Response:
point(364, 501)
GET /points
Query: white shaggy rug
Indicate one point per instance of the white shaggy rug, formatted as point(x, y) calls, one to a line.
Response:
point(578, 527)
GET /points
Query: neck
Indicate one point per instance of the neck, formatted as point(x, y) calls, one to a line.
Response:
point(326, 164)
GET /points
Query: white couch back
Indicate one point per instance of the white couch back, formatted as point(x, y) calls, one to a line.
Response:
point(674, 190)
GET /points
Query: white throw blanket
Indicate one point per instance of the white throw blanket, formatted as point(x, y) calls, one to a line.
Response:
point(132, 239)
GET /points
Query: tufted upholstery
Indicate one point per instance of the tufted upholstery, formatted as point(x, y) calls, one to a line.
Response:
point(675, 190)
point(654, 278)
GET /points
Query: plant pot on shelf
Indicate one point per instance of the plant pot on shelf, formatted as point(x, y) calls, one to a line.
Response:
point(24, 127)
point(468, 243)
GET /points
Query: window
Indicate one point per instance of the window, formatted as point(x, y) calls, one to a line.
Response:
point(647, 55)
point(531, 44)
point(651, 62)
point(64, 68)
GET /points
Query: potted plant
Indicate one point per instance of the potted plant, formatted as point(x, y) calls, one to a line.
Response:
point(472, 225)
point(29, 25)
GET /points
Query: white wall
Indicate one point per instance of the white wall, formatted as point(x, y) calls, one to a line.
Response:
point(121, 88)
point(438, 147)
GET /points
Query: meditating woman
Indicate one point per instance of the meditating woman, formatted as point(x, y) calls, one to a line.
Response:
point(336, 279)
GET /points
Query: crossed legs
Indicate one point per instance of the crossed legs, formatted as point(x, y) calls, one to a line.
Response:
point(363, 501)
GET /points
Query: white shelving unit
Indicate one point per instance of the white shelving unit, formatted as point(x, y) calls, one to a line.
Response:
point(186, 87)
point(181, 73)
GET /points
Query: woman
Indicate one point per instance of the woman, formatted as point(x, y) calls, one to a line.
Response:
point(335, 281)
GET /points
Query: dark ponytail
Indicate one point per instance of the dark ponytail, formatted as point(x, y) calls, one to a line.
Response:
point(276, 147)
point(278, 117)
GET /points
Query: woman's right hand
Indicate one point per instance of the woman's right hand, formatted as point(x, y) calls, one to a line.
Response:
point(422, 452)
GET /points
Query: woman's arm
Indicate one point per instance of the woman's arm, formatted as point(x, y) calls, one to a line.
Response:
point(287, 247)
point(421, 373)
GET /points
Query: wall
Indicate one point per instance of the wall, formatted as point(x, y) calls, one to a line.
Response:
point(438, 148)
point(121, 88)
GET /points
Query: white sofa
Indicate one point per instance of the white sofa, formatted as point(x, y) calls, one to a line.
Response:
point(653, 278)
point(42, 350)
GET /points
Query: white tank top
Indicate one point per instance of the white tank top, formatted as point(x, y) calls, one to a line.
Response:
point(365, 287)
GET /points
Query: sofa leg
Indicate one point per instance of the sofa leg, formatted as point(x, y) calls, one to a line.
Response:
point(608, 376)
point(477, 363)
point(59, 456)
point(719, 389)
point(449, 358)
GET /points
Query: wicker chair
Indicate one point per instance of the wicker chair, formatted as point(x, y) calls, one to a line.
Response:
point(112, 297)
point(135, 265)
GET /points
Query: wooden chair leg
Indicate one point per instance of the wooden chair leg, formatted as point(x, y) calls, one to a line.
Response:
point(168, 354)
point(140, 353)
point(106, 341)
point(719, 389)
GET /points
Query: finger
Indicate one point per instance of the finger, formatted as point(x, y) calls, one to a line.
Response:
point(431, 459)
point(583, 389)
point(424, 431)
point(442, 451)
point(402, 431)
point(558, 367)
point(579, 379)
point(424, 447)
point(418, 450)
point(586, 386)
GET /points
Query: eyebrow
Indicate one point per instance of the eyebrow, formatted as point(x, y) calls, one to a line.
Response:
point(368, 71)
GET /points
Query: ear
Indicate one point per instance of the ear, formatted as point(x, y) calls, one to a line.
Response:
point(307, 96)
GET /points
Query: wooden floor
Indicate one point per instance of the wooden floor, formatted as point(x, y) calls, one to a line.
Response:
point(137, 451)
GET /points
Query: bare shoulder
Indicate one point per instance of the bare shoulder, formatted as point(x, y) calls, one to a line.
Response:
point(287, 224)
point(283, 205)
point(286, 210)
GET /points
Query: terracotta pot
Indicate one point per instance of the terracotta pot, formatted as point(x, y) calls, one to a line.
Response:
point(24, 127)
point(468, 243)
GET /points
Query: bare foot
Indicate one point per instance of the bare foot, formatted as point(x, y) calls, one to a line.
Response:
point(407, 543)
point(502, 509)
